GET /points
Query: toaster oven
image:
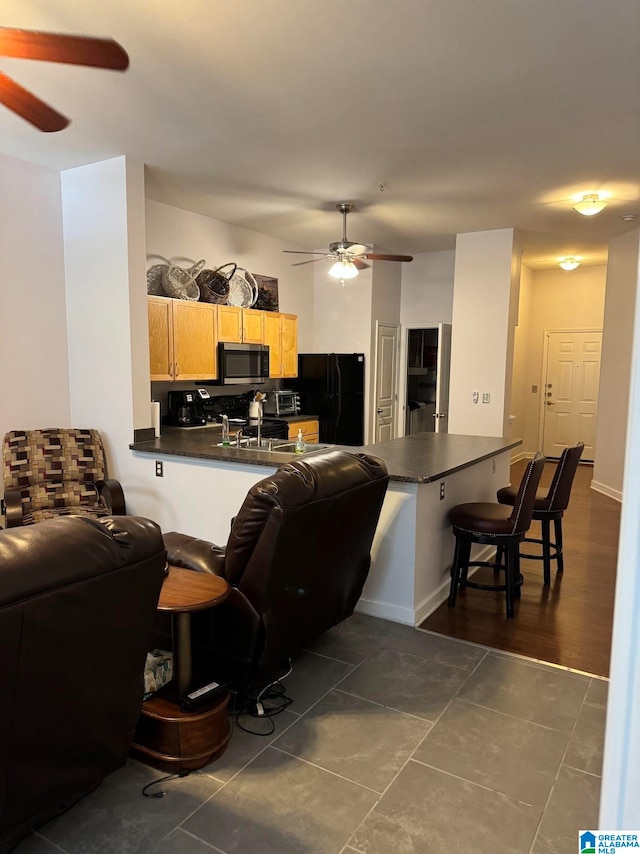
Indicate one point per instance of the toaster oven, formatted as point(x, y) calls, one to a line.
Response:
point(282, 402)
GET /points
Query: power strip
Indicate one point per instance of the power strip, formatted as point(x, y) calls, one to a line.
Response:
point(203, 695)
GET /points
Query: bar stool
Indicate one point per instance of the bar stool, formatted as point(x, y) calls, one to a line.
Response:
point(550, 505)
point(491, 523)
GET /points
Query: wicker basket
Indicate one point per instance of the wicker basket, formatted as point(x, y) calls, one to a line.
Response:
point(178, 283)
point(154, 280)
point(243, 289)
point(214, 284)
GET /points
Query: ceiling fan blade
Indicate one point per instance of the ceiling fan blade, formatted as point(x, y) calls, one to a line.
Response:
point(376, 256)
point(300, 252)
point(29, 107)
point(359, 264)
point(56, 47)
point(312, 261)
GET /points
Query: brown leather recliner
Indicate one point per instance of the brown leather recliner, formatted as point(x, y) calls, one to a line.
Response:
point(297, 558)
point(77, 603)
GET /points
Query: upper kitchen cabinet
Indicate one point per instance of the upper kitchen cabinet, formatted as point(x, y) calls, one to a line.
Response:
point(239, 325)
point(281, 336)
point(182, 339)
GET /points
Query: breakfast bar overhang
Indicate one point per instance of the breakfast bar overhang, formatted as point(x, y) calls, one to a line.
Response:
point(413, 547)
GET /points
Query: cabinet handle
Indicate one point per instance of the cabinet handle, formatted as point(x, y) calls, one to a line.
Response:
point(170, 369)
point(177, 370)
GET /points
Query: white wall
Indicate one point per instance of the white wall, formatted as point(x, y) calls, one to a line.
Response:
point(427, 289)
point(33, 343)
point(549, 299)
point(486, 280)
point(175, 233)
point(106, 303)
point(615, 370)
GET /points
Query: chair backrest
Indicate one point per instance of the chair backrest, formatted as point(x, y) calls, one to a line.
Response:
point(523, 505)
point(54, 467)
point(300, 546)
point(560, 488)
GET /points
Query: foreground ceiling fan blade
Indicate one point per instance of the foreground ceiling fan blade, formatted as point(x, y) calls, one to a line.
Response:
point(359, 264)
point(376, 256)
point(299, 252)
point(55, 47)
point(29, 107)
point(312, 261)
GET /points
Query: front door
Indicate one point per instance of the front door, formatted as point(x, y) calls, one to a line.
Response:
point(570, 397)
point(385, 399)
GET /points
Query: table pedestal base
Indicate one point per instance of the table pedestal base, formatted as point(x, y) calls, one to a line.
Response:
point(172, 740)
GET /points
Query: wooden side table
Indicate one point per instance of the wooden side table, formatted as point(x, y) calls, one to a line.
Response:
point(166, 737)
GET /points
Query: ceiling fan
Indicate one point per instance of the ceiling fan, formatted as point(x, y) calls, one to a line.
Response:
point(349, 257)
point(52, 47)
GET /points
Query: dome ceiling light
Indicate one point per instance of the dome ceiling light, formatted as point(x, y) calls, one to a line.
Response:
point(590, 205)
point(569, 263)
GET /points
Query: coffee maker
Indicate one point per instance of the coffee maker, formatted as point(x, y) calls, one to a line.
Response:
point(185, 410)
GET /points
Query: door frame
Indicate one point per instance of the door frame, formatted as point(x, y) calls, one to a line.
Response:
point(545, 366)
point(374, 386)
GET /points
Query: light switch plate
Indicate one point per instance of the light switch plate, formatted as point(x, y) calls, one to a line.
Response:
point(486, 397)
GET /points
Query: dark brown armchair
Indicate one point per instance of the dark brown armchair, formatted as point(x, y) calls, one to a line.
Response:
point(57, 472)
point(77, 603)
point(297, 558)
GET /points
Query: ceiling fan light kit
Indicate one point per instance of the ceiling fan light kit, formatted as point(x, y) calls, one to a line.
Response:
point(348, 257)
point(569, 263)
point(590, 205)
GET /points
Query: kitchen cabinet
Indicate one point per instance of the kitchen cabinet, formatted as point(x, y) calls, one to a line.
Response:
point(182, 339)
point(281, 336)
point(310, 430)
point(240, 325)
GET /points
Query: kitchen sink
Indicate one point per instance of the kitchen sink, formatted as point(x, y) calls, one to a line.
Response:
point(273, 446)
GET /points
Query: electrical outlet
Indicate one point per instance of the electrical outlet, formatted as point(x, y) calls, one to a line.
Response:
point(159, 468)
point(486, 397)
point(534, 389)
point(441, 490)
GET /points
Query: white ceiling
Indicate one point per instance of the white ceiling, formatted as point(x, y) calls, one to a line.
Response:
point(473, 114)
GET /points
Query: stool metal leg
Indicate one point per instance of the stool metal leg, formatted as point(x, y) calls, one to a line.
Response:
point(455, 574)
point(510, 571)
point(545, 525)
point(557, 523)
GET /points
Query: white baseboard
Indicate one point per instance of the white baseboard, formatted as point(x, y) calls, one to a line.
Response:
point(398, 614)
point(606, 490)
point(521, 455)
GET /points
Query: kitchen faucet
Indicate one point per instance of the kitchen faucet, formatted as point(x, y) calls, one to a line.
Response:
point(239, 436)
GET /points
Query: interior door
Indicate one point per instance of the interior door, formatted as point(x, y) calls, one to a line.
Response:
point(441, 415)
point(385, 384)
point(570, 399)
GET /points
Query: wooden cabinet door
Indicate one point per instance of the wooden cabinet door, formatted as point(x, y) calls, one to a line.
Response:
point(194, 340)
point(160, 338)
point(310, 430)
point(252, 326)
point(230, 324)
point(272, 338)
point(289, 338)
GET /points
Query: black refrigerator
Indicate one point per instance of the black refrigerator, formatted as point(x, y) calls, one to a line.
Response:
point(331, 386)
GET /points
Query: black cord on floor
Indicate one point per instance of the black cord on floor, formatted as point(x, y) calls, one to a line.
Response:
point(269, 703)
point(162, 780)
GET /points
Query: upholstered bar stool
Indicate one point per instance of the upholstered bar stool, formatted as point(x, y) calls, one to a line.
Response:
point(493, 524)
point(549, 505)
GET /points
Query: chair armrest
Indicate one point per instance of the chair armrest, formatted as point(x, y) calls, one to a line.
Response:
point(111, 491)
point(192, 553)
point(13, 508)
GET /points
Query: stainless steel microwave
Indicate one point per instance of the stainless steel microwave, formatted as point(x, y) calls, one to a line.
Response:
point(243, 363)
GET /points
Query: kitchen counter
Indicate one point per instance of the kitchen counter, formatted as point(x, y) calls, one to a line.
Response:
point(420, 458)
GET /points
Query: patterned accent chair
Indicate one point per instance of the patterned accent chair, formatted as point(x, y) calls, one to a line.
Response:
point(57, 472)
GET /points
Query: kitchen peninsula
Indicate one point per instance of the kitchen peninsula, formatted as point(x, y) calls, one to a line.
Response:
point(413, 547)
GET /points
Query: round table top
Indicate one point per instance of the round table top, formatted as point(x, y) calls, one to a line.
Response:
point(188, 590)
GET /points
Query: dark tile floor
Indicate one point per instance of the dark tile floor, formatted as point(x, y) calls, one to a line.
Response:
point(397, 741)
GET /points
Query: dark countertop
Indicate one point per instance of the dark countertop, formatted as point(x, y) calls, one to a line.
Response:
point(421, 458)
point(291, 418)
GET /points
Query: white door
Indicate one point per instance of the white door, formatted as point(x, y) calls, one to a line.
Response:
point(385, 383)
point(441, 414)
point(570, 396)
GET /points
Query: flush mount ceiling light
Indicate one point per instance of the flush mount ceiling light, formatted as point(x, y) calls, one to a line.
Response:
point(590, 205)
point(343, 270)
point(569, 263)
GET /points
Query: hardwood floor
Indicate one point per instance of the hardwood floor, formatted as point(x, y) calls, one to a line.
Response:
point(569, 622)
